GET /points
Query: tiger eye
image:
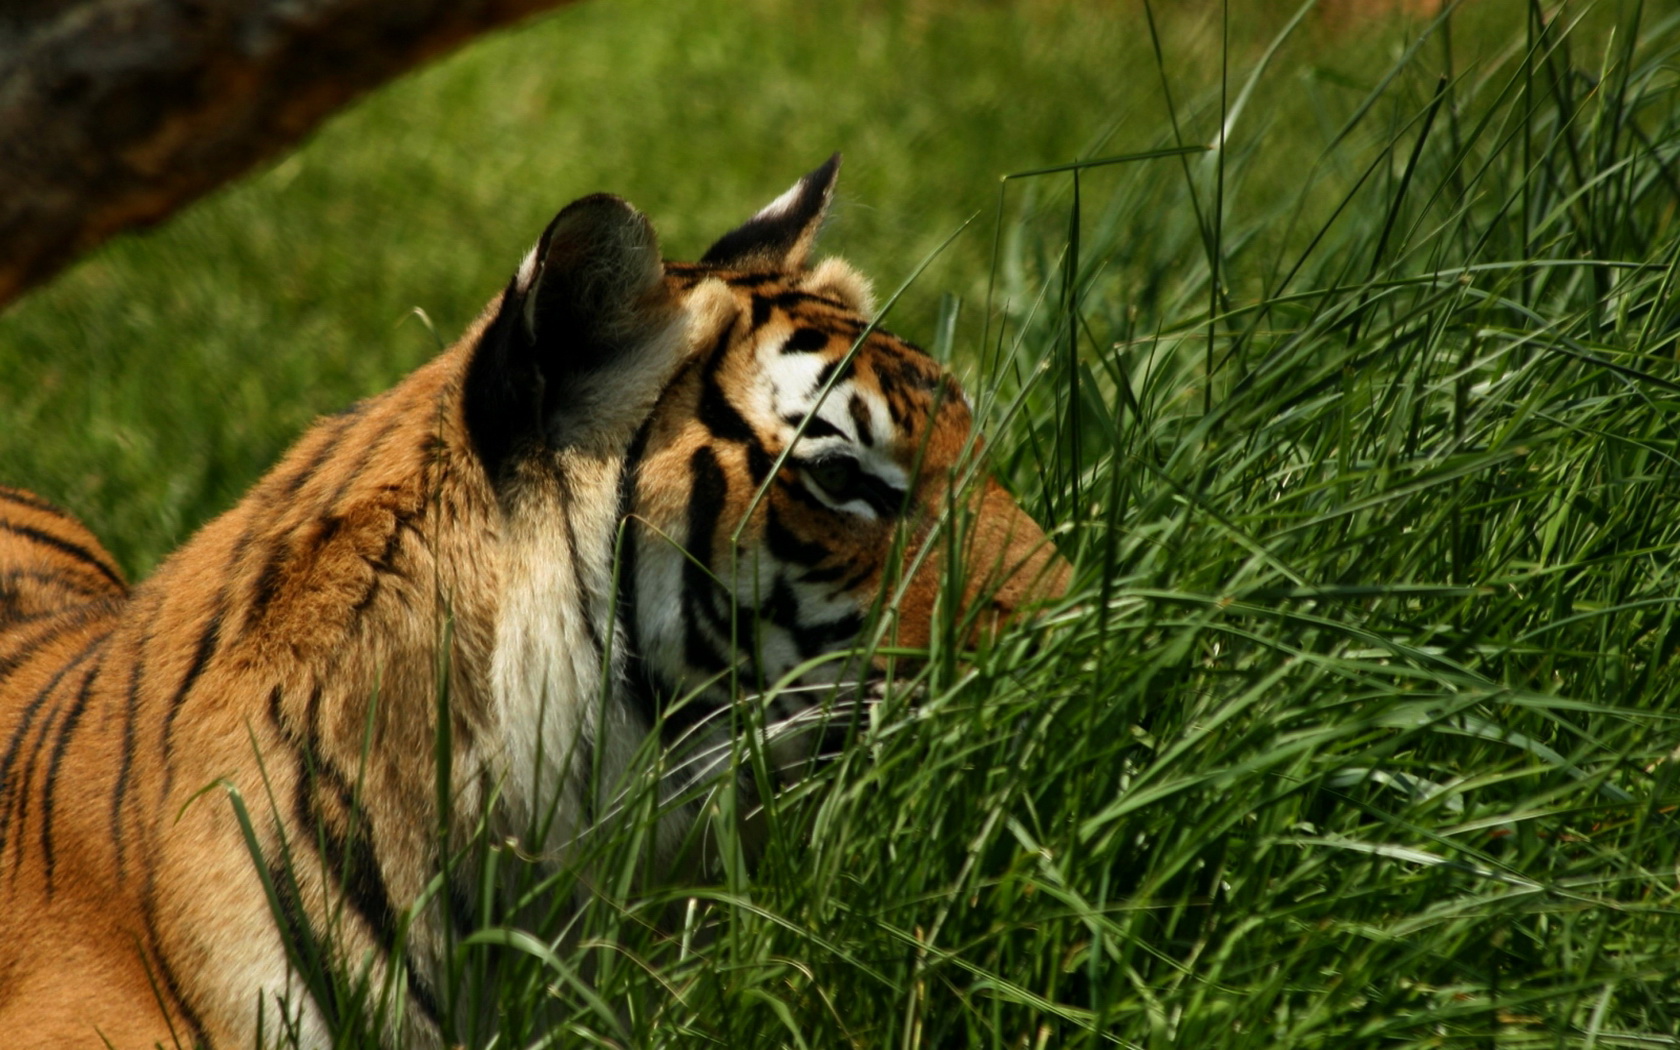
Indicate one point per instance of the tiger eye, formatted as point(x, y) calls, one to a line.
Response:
point(837, 476)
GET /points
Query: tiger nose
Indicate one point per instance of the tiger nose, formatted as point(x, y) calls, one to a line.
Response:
point(1008, 567)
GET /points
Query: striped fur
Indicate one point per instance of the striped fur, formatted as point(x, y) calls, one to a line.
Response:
point(466, 520)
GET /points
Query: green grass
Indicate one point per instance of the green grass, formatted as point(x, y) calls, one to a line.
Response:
point(1362, 430)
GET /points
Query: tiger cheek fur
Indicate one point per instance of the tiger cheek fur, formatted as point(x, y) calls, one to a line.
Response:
point(575, 516)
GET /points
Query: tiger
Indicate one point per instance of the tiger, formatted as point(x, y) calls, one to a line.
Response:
point(633, 494)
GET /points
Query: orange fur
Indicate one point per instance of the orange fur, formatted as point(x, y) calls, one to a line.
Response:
point(415, 531)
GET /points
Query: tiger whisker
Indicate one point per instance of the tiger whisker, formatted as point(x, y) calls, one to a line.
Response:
point(700, 766)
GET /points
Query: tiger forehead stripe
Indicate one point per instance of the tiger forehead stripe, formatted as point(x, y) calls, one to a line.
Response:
point(826, 311)
point(905, 383)
point(805, 339)
point(859, 411)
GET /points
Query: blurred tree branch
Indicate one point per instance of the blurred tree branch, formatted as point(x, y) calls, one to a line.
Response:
point(115, 113)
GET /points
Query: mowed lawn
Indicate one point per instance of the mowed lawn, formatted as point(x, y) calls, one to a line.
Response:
point(1360, 727)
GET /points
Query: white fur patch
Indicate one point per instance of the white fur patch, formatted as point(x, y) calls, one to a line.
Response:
point(546, 667)
point(526, 284)
point(783, 204)
point(527, 271)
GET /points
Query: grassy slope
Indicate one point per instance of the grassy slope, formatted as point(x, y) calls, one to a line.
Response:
point(1361, 735)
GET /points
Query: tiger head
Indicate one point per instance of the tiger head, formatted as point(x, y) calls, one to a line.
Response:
point(781, 466)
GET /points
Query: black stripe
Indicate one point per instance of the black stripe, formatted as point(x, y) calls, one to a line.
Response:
point(257, 510)
point(794, 298)
point(714, 604)
point(893, 396)
point(818, 427)
point(74, 550)
point(55, 579)
point(125, 768)
point(340, 425)
point(28, 499)
point(698, 650)
point(420, 991)
point(828, 575)
point(782, 609)
point(826, 636)
point(359, 875)
point(366, 451)
point(15, 622)
point(840, 365)
point(922, 374)
point(131, 717)
point(708, 493)
point(268, 581)
point(171, 984)
point(856, 579)
point(384, 563)
point(325, 530)
point(348, 856)
point(275, 716)
point(787, 548)
point(309, 944)
point(21, 799)
point(17, 795)
point(751, 279)
point(805, 341)
point(716, 413)
point(641, 694)
point(460, 905)
point(860, 417)
point(55, 624)
point(202, 652)
point(49, 790)
point(881, 495)
point(759, 462)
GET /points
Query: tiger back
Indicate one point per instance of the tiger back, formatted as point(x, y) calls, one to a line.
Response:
point(633, 495)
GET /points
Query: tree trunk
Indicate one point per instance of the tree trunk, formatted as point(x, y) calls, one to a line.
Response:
point(114, 113)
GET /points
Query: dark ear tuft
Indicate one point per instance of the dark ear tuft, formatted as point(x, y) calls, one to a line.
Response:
point(781, 235)
point(584, 303)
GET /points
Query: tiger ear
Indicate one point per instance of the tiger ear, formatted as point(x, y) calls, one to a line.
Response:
point(578, 333)
point(781, 235)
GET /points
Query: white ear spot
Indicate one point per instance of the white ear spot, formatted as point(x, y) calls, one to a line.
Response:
point(783, 204)
point(522, 282)
point(836, 279)
point(527, 271)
